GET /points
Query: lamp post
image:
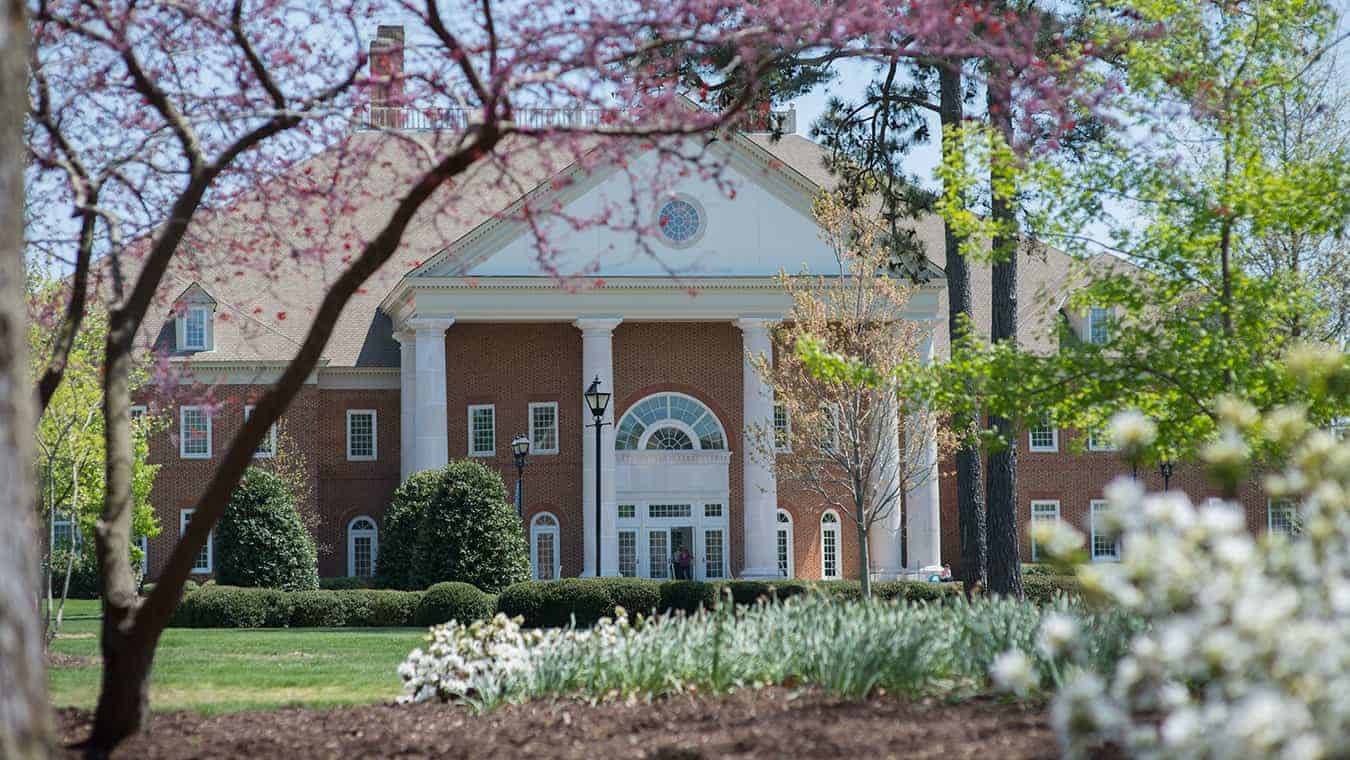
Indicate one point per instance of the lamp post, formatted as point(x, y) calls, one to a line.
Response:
point(520, 448)
point(1165, 467)
point(597, 401)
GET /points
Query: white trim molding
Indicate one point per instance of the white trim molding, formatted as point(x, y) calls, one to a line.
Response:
point(353, 533)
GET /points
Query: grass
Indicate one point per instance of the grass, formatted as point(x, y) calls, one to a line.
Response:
point(215, 671)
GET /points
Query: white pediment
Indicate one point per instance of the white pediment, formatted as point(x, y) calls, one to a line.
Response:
point(762, 227)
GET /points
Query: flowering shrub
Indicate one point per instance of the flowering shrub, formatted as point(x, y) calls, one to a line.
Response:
point(1247, 654)
point(850, 649)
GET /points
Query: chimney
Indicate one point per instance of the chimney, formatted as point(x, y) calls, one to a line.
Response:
point(386, 74)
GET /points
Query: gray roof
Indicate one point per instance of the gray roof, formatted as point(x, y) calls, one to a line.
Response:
point(267, 296)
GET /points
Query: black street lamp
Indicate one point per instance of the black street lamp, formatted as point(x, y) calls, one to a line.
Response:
point(597, 401)
point(520, 448)
point(1165, 467)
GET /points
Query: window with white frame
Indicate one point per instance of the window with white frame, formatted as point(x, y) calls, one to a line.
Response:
point(362, 444)
point(829, 546)
point(268, 447)
point(202, 563)
point(1105, 541)
point(786, 567)
point(1043, 512)
point(64, 534)
point(1043, 435)
point(1099, 325)
point(194, 432)
point(196, 329)
point(482, 430)
point(1282, 517)
point(1099, 439)
point(363, 547)
point(544, 427)
point(782, 428)
point(138, 412)
point(628, 553)
point(627, 511)
point(544, 546)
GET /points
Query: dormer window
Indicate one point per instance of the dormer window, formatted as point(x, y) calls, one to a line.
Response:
point(195, 322)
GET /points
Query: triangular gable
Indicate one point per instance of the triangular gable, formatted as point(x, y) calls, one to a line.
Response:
point(195, 295)
point(765, 228)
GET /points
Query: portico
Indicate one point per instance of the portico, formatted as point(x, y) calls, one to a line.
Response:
point(670, 484)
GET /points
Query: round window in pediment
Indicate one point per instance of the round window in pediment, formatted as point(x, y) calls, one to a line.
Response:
point(681, 221)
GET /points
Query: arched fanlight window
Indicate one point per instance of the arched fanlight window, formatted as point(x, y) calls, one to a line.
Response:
point(363, 547)
point(544, 555)
point(670, 422)
point(787, 567)
point(829, 546)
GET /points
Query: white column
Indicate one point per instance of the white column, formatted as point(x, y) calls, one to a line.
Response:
point(430, 446)
point(407, 401)
point(883, 541)
point(922, 501)
point(761, 481)
point(597, 360)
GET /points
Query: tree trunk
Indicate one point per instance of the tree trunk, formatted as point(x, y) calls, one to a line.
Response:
point(969, 493)
point(25, 721)
point(124, 698)
point(864, 572)
point(1005, 566)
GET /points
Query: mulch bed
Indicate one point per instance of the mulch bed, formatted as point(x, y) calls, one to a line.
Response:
point(750, 724)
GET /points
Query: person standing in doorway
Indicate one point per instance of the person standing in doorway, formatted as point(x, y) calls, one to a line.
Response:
point(684, 564)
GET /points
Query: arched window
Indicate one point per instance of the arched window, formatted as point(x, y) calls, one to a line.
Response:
point(363, 546)
point(829, 546)
point(786, 566)
point(544, 546)
point(669, 421)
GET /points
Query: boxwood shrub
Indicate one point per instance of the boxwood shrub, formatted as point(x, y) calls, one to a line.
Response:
point(212, 606)
point(346, 583)
point(398, 534)
point(1044, 589)
point(452, 600)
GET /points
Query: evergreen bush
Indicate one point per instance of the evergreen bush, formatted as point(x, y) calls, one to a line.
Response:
point(261, 541)
point(469, 532)
point(398, 534)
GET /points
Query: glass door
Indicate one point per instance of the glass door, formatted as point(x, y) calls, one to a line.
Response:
point(683, 559)
point(658, 553)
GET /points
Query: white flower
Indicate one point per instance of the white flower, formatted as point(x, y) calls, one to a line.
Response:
point(1132, 431)
point(1057, 632)
point(1013, 671)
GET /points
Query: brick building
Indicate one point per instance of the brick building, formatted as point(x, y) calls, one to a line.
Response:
point(461, 343)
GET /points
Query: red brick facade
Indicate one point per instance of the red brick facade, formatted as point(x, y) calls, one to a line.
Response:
point(512, 365)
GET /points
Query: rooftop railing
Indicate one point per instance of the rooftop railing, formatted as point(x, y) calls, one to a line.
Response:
point(460, 119)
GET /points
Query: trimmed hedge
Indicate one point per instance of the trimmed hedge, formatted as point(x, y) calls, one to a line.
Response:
point(1044, 589)
point(452, 600)
point(346, 583)
point(261, 541)
point(398, 534)
point(214, 606)
point(558, 603)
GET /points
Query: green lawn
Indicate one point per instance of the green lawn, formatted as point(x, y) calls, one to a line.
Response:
point(212, 670)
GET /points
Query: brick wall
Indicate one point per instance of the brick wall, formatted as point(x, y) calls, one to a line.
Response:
point(1075, 479)
point(511, 365)
point(315, 425)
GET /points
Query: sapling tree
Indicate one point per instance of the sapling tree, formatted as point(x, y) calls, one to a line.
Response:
point(176, 140)
point(841, 440)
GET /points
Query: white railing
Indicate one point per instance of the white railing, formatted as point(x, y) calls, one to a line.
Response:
point(460, 119)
